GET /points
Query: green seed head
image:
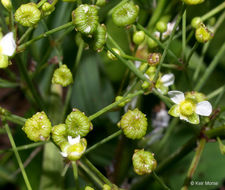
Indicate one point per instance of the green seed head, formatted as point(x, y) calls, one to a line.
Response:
point(38, 127)
point(151, 43)
point(62, 76)
point(202, 34)
point(101, 3)
point(106, 187)
point(59, 134)
point(187, 107)
point(28, 14)
point(143, 162)
point(195, 96)
point(77, 123)
point(134, 124)
point(154, 59)
point(47, 9)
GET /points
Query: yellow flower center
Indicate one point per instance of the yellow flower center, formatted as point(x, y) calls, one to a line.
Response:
point(187, 107)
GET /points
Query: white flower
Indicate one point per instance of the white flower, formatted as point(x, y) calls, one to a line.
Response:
point(188, 109)
point(7, 48)
point(169, 30)
point(74, 148)
point(164, 82)
point(7, 45)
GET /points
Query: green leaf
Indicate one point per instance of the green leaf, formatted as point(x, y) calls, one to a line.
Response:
point(51, 178)
point(174, 111)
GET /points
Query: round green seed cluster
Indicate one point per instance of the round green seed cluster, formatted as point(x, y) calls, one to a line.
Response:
point(85, 19)
point(202, 34)
point(28, 14)
point(38, 127)
point(62, 76)
point(47, 9)
point(59, 134)
point(125, 14)
point(138, 37)
point(143, 162)
point(134, 124)
point(77, 123)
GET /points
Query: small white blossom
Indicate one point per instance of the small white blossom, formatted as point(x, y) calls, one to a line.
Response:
point(188, 109)
point(164, 82)
point(170, 27)
point(7, 45)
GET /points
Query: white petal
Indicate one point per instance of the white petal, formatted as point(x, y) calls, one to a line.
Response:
point(137, 64)
point(204, 108)
point(64, 154)
point(74, 140)
point(168, 79)
point(176, 96)
point(157, 34)
point(8, 44)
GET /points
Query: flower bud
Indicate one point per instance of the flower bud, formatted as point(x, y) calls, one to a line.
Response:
point(74, 148)
point(28, 14)
point(134, 124)
point(62, 76)
point(118, 98)
point(193, 2)
point(89, 188)
point(47, 9)
point(106, 187)
point(154, 59)
point(143, 162)
point(161, 26)
point(111, 56)
point(138, 37)
point(7, 4)
point(202, 34)
point(38, 127)
point(151, 43)
point(196, 22)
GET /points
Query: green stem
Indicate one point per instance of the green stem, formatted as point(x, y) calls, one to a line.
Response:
point(25, 147)
point(129, 64)
point(160, 181)
point(215, 92)
point(44, 35)
point(194, 163)
point(168, 44)
point(18, 157)
point(114, 135)
point(91, 174)
point(65, 169)
point(27, 79)
point(14, 119)
point(28, 31)
point(95, 170)
point(156, 14)
point(170, 52)
point(213, 12)
point(165, 99)
point(191, 53)
point(109, 107)
point(41, 3)
point(210, 68)
point(75, 174)
point(183, 35)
